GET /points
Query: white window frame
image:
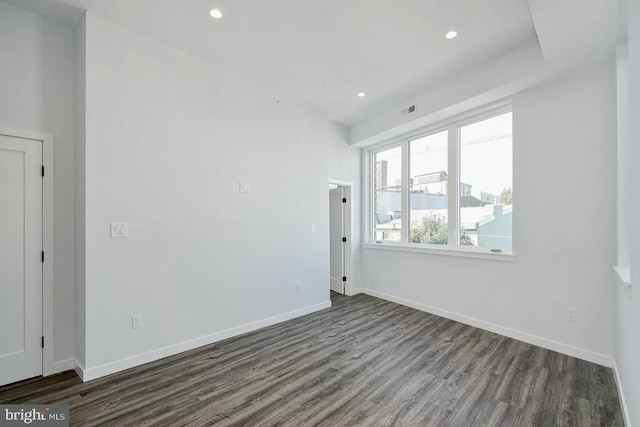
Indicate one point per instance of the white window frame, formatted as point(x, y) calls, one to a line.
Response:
point(453, 248)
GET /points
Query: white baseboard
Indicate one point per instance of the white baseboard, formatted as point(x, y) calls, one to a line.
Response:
point(623, 401)
point(88, 374)
point(580, 353)
point(79, 368)
point(351, 290)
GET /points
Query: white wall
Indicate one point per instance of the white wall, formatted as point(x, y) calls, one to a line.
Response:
point(633, 391)
point(168, 138)
point(623, 308)
point(623, 162)
point(476, 86)
point(36, 87)
point(627, 310)
point(344, 165)
point(80, 196)
point(564, 232)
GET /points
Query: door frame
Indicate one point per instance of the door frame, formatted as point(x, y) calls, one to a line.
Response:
point(48, 365)
point(348, 231)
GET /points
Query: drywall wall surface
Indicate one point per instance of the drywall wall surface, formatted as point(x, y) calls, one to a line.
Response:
point(80, 196)
point(487, 82)
point(627, 310)
point(169, 140)
point(37, 86)
point(564, 228)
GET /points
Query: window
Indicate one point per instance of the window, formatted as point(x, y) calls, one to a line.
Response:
point(388, 195)
point(454, 183)
point(428, 179)
point(486, 195)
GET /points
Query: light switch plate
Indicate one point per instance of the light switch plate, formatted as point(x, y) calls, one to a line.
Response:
point(243, 187)
point(136, 321)
point(119, 230)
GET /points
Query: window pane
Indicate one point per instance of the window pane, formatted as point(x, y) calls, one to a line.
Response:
point(486, 182)
point(428, 189)
point(388, 199)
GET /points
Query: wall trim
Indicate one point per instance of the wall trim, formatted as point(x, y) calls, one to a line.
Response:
point(623, 401)
point(460, 251)
point(79, 368)
point(569, 350)
point(88, 374)
point(624, 275)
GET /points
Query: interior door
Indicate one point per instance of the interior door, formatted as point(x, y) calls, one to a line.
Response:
point(20, 259)
point(336, 233)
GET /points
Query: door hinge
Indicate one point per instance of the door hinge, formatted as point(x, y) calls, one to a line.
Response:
point(42, 170)
point(344, 239)
point(42, 256)
point(344, 278)
point(344, 200)
point(42, 342)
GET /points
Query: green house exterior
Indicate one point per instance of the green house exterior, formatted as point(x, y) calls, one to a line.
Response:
point(497, 232)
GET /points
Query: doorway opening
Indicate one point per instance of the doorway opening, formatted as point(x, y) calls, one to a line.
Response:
point(340, 236)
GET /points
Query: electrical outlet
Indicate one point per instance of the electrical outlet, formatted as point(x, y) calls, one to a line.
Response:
point(572, 315)
point(136, 321)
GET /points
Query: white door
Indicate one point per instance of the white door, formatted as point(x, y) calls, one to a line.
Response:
point(20, 259)
point(336, 233)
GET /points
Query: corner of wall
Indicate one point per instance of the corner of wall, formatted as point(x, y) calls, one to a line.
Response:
point(621, 395)
point(79, 189)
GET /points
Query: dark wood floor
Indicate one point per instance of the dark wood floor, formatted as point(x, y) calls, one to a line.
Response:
point(364, 361)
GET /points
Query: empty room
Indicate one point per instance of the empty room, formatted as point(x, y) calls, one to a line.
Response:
point(319, 213)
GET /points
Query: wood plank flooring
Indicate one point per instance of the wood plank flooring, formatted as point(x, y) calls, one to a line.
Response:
point(364, 362)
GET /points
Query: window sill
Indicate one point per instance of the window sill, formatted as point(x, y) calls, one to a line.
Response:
point(624, 274)
point(445, 251)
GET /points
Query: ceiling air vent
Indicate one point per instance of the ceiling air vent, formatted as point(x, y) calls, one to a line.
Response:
point(410, 109)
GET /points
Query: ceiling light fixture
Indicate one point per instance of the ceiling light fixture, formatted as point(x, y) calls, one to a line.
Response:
point(451, 35)
point(215, 13)
point(361, 94)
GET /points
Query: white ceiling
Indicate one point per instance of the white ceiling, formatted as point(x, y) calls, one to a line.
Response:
point(57, 10)
point(323, 52)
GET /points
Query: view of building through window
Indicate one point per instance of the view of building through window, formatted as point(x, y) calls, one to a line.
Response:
point(485, 195)
point(486, 180)
point(428, 179)
point(388, 195)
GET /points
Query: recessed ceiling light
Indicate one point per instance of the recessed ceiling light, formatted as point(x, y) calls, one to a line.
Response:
point(361, 94)
point(451, 35)
point(215, 13)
